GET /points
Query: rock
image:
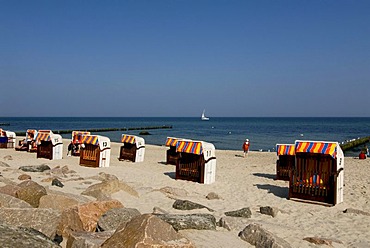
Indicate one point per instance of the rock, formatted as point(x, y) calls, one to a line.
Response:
point(261, 238)
point(57, 202)
point(111, 219)
point(188, 205)
point(8, 157)
point(157, 210)
point(42, 220)
point(213, 196)
point(84, 217)
point(273, 211)
point(2, 164)
point(87, 239)
point(24, 177)
point(23, 237)
point(147, 231)
point(321, 241)
point(174, 192)
point(102, 176)
point(190, 221)
point(8, 201)
point(80, 198)
point(57, 183)
point(58, 172)
point(35, 168)
point(232, 223)
point(10, 190)
point(243, 212)
point(48, 179)
point(104, 189)
point(30, 192)
point(355, 211)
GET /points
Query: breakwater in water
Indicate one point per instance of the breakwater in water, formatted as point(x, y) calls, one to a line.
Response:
point(355, 143)
point(106, 129)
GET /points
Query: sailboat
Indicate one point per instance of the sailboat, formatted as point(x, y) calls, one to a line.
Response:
point(204, 118)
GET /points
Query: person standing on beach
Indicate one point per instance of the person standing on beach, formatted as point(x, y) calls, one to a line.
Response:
point(246, 147)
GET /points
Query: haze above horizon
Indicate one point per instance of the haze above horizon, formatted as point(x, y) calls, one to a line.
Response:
point(170, 58)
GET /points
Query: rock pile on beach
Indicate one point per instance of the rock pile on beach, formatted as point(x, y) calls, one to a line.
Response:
point(62, 204)
point(52, 217)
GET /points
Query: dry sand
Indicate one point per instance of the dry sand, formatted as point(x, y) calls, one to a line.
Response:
point(240, 182)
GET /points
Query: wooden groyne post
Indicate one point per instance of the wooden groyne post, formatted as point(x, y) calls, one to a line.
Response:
point(99, 130)
point(354, 143)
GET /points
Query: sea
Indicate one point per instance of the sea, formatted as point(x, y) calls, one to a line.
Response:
point(224, 132)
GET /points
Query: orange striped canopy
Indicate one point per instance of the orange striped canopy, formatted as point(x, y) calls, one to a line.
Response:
point(285, 149)
point(90, 139)
point(171, 141)
point(317, 147)
point(77, 136)
point(74, 133)
point(189, 147)
point(128, 139)
point(44, 135)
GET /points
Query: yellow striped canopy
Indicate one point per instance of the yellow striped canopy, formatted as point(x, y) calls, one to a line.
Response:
point(317, 147)
point(128, 139)
point(90, 139)
point(189, 147)
point(285, 149)
point(171, 141)
point(44, 135)
point(74, 133)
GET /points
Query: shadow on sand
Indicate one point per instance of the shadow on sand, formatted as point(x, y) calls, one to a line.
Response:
point(162, 162)
point(269, 176)
point(171, 174)
point(282, 192)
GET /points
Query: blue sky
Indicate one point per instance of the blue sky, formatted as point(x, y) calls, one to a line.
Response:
point(175, 58)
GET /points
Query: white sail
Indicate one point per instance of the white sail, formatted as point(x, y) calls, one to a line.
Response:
point(204, 118)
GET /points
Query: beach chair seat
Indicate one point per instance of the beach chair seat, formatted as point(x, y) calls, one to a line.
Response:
point(90, 155)
point(172, 156)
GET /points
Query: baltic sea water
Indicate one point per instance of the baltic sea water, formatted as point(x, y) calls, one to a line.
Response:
point(224, 133)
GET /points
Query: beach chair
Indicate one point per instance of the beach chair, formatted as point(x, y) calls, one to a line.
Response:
point(285, 161)
point(95, 151)
point(77, 141)
point(317, 175)
point(196, 162)
point(133, 148)
point(49, 145)
point(7, 139)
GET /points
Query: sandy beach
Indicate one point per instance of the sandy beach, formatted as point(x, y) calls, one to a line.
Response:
point(240, 182)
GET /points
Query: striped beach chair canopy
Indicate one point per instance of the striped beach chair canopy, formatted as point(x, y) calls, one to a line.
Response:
point(44, 135)
point(171, 141)
point(132, 139)
point(77, 136)
point(320, 147)
point(128, 139)
point(285, 149)
point(194, 147)
point(90, 139)
point(75, 133)
point(96, 140)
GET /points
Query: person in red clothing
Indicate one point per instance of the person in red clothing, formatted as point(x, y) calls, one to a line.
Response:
point(246, 147)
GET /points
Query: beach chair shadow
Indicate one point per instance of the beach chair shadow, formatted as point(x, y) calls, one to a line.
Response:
point(269, 176)
point(171, 174)
point(282, 192)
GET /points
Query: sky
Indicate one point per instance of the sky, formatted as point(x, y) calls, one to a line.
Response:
point(174, 58)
